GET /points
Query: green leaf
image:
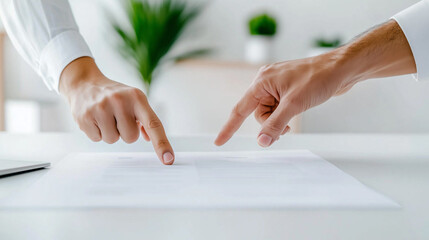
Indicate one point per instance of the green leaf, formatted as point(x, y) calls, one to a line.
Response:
point(263, 24)
point(331, 43)
point(152, 29)
point(191, 54)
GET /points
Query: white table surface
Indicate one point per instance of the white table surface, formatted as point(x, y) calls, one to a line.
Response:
point(395, 165)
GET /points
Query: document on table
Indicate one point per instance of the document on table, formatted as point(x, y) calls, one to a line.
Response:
point(265, 179)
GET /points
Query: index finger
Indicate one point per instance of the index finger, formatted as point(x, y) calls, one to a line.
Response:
point(155, 130)
point(240, 112)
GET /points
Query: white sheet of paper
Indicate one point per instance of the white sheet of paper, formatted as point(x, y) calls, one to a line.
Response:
point(285, 179)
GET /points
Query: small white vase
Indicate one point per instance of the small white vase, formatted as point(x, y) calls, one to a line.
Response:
point(259, 49)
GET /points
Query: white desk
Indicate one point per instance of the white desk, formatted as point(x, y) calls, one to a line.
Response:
point(396, 165)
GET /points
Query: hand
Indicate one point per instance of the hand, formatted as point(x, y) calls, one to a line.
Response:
point(106, 110)
point(283, 90)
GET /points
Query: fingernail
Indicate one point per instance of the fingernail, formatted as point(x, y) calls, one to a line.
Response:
point(167, 158)
point(264, 140)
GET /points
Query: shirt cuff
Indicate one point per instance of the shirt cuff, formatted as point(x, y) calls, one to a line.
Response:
point(58, 53)
point(414, 22)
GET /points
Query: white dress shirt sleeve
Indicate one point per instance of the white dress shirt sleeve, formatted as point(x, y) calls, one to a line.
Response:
point(414, 22)
point(45, 33)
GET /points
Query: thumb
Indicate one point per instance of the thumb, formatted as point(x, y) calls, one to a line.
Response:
point(274, 126)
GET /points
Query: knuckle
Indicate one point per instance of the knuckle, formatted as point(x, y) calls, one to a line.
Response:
point(154, 123)
point(142, 97)
point(112, 139)
point(135, 92)
point(116, 97)
point(265, 69)
point(128, 140)
point(259, 85)
point(275, 126)
point(80, 115)
point(95, 138)
point(86, 116)
point(130, 137)
point(237, 112)
point(162, 143)
point(101, 106)
point(82, 120)
point(259, 118)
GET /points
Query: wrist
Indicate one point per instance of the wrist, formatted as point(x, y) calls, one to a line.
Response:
point(381, 52)
point(339, 66)
point(352, 65)
point(77, 74)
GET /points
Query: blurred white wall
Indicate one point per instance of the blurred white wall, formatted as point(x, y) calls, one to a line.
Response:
point(387, 105)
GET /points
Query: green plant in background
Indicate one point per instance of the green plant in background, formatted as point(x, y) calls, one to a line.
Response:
point(153, 27)
point(327, 43)
point(263, 24)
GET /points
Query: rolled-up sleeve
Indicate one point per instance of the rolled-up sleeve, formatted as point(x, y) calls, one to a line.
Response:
point(414, 22)
point(45, 34)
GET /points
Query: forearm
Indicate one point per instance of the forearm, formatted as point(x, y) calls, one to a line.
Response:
point(380, 52)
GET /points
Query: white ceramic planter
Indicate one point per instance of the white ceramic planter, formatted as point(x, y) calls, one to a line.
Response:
point(259, 49)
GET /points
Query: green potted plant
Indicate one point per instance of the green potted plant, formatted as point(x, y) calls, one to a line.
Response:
point(322, 45)
point(151, 30)
point(262, 29)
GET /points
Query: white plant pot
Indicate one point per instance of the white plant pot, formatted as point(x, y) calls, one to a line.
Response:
point(259, 49)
